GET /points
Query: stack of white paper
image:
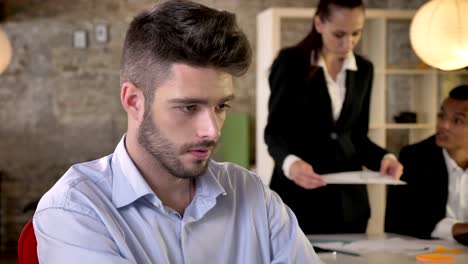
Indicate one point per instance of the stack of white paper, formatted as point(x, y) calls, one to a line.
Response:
point(360, 177)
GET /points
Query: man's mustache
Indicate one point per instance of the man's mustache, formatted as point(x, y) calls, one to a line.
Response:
point(203, 144)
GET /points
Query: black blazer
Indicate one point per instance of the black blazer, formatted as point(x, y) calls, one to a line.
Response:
point(300, 122)
point(416, 208)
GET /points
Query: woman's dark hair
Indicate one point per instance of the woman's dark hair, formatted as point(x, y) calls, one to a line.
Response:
point(180, 31)
point(313, 41)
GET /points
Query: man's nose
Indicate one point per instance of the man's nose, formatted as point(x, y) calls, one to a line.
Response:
point(209, 126)
point(444, 123)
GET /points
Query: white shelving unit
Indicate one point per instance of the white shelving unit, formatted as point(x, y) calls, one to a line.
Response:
point(425, 87)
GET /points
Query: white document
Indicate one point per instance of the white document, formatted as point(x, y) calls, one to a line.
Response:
point(360, 177)
point(393, 245)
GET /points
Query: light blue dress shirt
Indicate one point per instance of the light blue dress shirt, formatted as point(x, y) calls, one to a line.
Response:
point(103, 211)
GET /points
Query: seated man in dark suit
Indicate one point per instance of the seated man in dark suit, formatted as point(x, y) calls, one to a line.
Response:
point(434, 204)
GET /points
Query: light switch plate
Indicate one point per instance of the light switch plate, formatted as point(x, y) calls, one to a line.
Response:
point(79, 39)
point(101, 33)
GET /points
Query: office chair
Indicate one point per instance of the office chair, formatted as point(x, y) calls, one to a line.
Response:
point(27, 245)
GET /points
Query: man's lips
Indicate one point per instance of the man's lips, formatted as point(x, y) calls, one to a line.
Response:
point(441, 136)
point(201, 152)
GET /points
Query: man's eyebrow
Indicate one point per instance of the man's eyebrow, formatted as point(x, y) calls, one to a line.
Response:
point(227, 98)
point(191, 100)
point(188, 100)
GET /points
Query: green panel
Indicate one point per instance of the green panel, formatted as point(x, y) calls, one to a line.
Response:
point(234, 142)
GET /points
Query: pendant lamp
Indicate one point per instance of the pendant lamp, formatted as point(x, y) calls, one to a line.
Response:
point(5, 51)
point(439, 34)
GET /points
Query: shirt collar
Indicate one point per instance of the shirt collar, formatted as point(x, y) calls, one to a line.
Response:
point(208, 185)
point(348, 64)
point(129, 185)
point(452, 166)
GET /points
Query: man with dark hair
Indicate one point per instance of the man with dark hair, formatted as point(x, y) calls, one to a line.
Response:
point(434, 203)
point(159, 198)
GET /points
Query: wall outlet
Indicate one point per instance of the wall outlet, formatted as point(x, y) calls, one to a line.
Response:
point(101, 33)
point(79, 39)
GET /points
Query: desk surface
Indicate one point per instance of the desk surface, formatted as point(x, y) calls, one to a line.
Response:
point(376, 257)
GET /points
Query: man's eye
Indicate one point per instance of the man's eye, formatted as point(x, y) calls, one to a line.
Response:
point(222, 107)
point(189, 108)
point(441, 116)
point(459, 121)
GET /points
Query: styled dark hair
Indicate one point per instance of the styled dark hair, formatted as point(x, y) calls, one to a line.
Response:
point(313, 41)
point(459, 93)
point(180, 31)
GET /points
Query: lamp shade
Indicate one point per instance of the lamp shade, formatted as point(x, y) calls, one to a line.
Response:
point(439, 34)
point(5, 51)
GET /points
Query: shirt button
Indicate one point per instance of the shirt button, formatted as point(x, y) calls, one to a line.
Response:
point(333, 135)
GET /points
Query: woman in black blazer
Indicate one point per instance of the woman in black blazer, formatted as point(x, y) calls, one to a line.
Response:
point(318, 122)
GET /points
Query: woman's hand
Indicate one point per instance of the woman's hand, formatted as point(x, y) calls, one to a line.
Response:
point(304, 175)
point(391, 166)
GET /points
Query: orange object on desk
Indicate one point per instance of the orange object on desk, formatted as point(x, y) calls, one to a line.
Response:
point(434, 257)
point(440, 249)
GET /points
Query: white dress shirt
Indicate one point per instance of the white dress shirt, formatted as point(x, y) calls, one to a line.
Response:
point(457, 205)
point(337, 88)
point(104, 211)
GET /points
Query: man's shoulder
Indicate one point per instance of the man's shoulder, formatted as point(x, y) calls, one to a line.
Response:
point(79, 182)
point(425, 146)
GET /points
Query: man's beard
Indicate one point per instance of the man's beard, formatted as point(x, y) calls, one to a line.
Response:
point(166, 152)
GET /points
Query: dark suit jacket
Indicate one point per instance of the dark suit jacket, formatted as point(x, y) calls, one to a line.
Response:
point(416, 208)
point(300, 122)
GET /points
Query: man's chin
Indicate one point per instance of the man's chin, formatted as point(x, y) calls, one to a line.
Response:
point(441, 142)
point(198, 167)
point(191, 160)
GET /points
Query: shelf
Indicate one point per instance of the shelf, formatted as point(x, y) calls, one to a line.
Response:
point(402, 126)
point(409, 71)
point(410, 126)
point(457, 72)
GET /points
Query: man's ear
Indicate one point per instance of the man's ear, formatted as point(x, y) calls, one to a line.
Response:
point(133, 101)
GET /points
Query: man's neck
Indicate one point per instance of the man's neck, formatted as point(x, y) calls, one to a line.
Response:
point(173, 192)
point(460, 157)
point(176, 194)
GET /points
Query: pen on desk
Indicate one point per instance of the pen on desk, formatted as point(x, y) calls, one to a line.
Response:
point(320, 250)
point(347, 253)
